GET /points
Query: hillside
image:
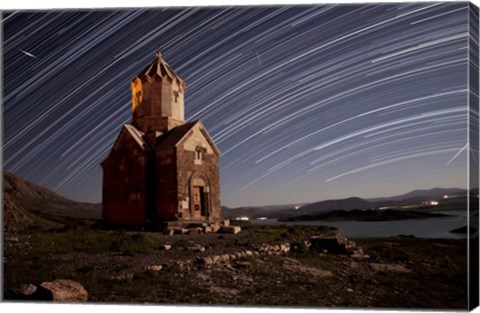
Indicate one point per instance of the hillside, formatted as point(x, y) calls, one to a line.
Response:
point(353, 203)
point(427, 194)
point(28, 205)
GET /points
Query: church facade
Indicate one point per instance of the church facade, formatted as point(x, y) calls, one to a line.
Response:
point(161, 168)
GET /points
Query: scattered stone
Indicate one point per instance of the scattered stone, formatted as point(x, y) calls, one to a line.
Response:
point(197, 248)
point(285, 248)
point(207, 229)
point(230, 229)
point(197, 225)
point(216, 227)
point(12, 238)
point(226, 222)
point(165, 247)
point(180, 264)
point(207, 261)
point(243, 264)
point(332, 244)
point(215, 259)
point(123, 276)
point(62, 290)
point(336, 244)
point(389, 267)
point(193, 231)
point(298, 247)
point(154, 268)
point(180, 231)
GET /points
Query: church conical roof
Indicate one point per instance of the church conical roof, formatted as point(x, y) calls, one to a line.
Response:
point(160, 68)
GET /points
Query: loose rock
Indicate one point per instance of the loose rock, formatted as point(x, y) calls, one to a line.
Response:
point(154, 268)
point(62, 290)
point(165, 247)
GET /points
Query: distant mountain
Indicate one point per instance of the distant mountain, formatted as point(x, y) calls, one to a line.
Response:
point(28, 205)
point(365, 215)
point(353, 203)
point(428, 194)
point(289, 210)
point(413, 198)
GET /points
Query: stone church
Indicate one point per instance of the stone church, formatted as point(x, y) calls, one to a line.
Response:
point(161, 168)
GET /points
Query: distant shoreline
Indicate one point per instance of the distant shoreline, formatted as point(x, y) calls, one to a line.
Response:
point(365, 216)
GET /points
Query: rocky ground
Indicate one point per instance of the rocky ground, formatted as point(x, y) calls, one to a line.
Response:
point(274, 266)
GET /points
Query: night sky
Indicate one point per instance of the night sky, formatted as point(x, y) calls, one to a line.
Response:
point(306, 103)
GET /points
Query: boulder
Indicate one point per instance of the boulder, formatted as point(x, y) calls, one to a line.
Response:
point(226, 222)
point(207, 229)
point(230, 229)
point(62, 290)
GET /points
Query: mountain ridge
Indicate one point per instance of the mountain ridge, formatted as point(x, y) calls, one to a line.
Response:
point(29, 205)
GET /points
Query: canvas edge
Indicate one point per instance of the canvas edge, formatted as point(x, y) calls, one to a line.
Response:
point(472, 159)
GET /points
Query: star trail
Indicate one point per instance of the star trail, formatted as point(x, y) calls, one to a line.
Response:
point(306, 103)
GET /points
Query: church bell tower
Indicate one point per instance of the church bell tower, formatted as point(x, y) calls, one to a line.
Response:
point(157, 98)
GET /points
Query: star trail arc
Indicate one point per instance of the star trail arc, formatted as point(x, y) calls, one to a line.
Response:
point(305, 102)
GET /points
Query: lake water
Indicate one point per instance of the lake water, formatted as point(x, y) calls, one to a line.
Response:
point(437, 227)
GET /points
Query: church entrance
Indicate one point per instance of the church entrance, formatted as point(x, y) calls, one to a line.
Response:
point(198, 202)
point(199, 196)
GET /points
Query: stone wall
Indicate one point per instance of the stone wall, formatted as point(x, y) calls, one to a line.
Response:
point(166, 180)
point(206, 168)
point(124, 182)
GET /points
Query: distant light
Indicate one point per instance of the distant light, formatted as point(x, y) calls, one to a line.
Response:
point(242, 218)
point(297, 207)
point(430, 202)
point(262, 218)
point(383, 208)
point(445, 197)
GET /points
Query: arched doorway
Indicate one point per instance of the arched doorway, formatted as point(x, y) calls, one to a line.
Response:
point(199, 196)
